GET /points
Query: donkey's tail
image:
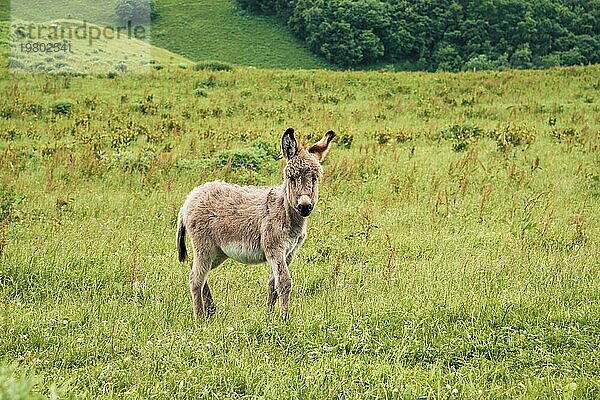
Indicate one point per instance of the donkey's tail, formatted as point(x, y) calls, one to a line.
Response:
point(181, 250)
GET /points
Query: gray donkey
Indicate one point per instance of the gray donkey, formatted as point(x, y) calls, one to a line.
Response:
point(252, 224)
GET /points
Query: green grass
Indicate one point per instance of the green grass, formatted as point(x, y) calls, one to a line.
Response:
point(427, 272)
point(217, 30)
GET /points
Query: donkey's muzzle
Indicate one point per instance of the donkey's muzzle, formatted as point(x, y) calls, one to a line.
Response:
point(305, 209)
point(305, 205)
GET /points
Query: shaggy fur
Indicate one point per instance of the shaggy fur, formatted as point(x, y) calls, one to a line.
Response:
point(252, 224)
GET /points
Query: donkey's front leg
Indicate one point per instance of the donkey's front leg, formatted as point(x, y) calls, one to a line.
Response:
point(272, 291)
point(282, 283)
point(291, 254)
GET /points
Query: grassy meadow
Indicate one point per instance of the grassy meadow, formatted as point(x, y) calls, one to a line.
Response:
point(453, 253)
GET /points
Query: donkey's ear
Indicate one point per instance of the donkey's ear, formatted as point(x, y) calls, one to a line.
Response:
point(321, 148)
point(289, 146)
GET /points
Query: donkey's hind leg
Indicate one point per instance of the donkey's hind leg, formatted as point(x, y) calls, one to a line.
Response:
point(198, 276)
point(209, 303)
point(202, 299)
point(272, 292)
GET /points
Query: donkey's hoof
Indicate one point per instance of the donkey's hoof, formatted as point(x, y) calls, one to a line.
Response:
point(211, 310)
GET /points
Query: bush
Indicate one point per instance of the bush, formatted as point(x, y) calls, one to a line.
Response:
point(213, 66)
point(68, 71)
point(252, 158)
point(462, 136)
point(8, 201)
point(404, 135)
point(63, 106)
point(136, 11)
point(271, 150)
point(345, 140)
point(521, 59)
point(200, 92)
point(210, 81)
point(121, 67)
point(510, 135)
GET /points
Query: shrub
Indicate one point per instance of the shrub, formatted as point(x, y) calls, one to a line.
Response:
point(511, 135)
point(345, 140)
point(16, 64)
point(568, 134)
point(63, 106)
point(404, 135)
point(136, 11)
point(270, 149)
point(13, 385)
point(383, 137)
point(200, 92)
point(121, 67)
point(462, 136)
point(8, 200)
point(185, 164)
point(479, 62)
point(252, 158)
point(68, 71)
point(209, 82)
point(213, 66)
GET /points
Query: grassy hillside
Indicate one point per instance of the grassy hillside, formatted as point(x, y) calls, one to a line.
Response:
point(214, 29)
point(102, 55)
point(197, 30)
point(453, 253)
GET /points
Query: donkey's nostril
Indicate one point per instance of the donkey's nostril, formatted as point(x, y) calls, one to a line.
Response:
point(305, 209)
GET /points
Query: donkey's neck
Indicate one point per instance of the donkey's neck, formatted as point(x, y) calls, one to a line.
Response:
point(292, 218)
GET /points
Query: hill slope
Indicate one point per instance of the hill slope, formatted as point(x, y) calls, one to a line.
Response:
point(82, 55)
point(215, 29)
point(199, 30)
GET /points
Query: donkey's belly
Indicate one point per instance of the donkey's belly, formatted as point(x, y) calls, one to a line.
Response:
point(243, 253)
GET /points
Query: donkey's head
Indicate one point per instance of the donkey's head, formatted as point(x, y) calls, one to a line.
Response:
point(303, 170)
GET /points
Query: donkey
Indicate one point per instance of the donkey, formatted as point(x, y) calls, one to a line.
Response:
point(252, 224)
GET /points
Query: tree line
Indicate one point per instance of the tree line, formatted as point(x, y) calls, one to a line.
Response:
point(449, 35)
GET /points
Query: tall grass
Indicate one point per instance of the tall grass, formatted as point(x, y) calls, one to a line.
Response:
point(453, 253)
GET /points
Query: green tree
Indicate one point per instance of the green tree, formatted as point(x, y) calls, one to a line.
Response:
point(444, 34)
point(521, 58)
